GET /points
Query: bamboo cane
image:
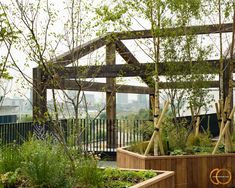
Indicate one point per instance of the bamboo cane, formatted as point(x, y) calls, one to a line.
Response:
point(223, 131)
point(157, 130)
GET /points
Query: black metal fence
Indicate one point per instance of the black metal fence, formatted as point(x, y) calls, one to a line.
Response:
point(99, 135)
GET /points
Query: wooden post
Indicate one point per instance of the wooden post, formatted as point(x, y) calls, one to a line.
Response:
point(39, 95)
point(111, 99)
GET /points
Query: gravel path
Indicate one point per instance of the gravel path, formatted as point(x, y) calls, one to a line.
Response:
point(107, 164)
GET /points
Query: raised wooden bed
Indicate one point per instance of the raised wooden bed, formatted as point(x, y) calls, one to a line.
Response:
point(164, 179)
point(190, 170)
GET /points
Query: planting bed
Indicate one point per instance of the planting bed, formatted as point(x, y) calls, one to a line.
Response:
point(164, 179)
point(190, 170)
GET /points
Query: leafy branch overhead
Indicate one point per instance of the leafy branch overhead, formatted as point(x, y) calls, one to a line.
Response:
point(7, 36)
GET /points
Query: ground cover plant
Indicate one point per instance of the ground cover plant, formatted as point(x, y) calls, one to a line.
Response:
point(42, 163)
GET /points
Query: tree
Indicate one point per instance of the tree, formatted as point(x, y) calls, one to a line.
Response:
point(39, 39)
point(171, 49)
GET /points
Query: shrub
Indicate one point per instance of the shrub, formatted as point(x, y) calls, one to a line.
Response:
point(10, 158)
point(44, 165)
point(174, 134)
point(199, 140)
point(87, 172)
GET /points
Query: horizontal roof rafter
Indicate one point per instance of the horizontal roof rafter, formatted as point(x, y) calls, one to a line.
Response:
point(144, 70)
point(64, 84)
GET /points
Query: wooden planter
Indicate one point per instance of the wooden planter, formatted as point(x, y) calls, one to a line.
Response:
point(190, 170)
point(164, 179)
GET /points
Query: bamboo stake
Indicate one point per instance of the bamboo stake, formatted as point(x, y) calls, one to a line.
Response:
point(222, 116)
point(227, 138)
point(156, 131)
point(223, 131)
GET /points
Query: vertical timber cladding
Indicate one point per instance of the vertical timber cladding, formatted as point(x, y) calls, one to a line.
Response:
point(39, 94)
point(111, 99)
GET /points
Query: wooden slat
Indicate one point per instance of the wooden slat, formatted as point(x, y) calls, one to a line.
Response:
point(190, 170)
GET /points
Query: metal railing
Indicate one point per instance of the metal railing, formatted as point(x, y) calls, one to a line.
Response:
point(99, 135)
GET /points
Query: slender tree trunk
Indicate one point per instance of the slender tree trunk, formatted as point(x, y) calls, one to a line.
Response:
point(156, 48)
point(221, 69)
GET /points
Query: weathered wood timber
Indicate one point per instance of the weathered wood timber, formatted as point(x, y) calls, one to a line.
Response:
point(179, 31)
point(64, 84)
point(106, 71)
point(144, 70)
point(84, 49)
point(81, 51)
point(99, 87)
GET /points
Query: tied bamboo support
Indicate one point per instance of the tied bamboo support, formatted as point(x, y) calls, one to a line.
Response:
point(156, 132)
point(195, 119)
point(223, 131)
point(222, 116)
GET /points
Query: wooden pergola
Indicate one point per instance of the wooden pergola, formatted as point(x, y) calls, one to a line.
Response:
point(66, 76)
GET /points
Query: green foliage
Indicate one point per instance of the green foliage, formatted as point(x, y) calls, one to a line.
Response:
point(139, 147)
point(7, 36)
point(89, 176)
point(174, 134)
point(203, 140)
point(113, 14)
point(121, 179)
point(178, 152)
point(44, 165)
point(10, 158)
point(10, 179)
point(147, 129)
point(26, 118)
point(39, 163)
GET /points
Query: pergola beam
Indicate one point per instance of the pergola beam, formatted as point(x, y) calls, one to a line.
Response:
point(178, 31)
point(99, 87)
point(80, 51)
point(144, 70)
point(102, 87)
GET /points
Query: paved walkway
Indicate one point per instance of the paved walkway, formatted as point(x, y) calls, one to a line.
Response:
point(107, 164)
